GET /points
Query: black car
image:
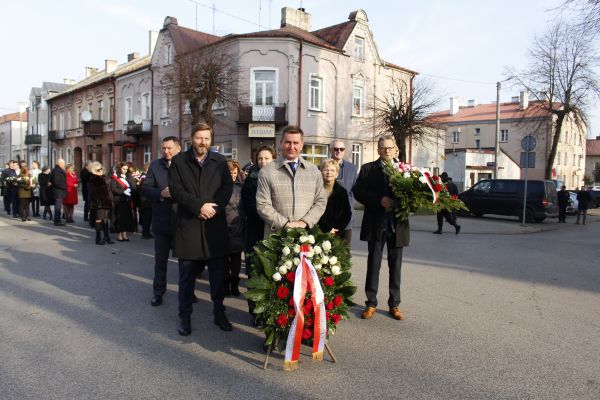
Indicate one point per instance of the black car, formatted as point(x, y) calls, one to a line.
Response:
point(505, 197)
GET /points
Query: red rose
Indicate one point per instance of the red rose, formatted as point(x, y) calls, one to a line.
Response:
point(337, 300)
point(282, 320)
point(291, 313)
point(292, 302)
point(306, 334)
point(309, 322)
point(282, 292)
point(290, 276)
point(454, 197)
point(326, 315)
point(336, 318)
point(437, 187)
point(308, 306)
point(329, 306)
point(328, 281)
point(435, 177)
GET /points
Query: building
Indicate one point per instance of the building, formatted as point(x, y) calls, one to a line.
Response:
point(13, 128)
point(468, 166)
point(324, 81)
point(592, 157)
point(473, 126)
point(36, 139)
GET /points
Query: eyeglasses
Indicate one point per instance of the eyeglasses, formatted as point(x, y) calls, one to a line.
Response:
point(339, 149)
point(386, 148)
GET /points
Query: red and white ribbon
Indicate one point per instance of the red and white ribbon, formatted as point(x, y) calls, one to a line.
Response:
point(429, 183)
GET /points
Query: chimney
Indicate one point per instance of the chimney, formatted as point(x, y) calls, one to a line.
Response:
point(152, 39)
point(296, 17)
point(170, 21)
point(454, 105)
point(110, 66)
point(523, 100)
point(68, 81)
point(89, 71)
point(132, 56)
point(472, 103)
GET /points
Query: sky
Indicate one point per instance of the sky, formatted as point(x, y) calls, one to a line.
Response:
point(462, 47)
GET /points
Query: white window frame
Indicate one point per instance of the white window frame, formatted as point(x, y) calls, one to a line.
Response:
point(359, 48)
point(558, 158)
point(456, 137)
point(61, 121)
point(69, 157)
point(69, 118)
point(357, 154)
point(360, 86)
point(111, 108)
point(224, 148)
point(169, 54)
point(165, 109)
point(504, 135)
point(315, 91)
point(477, 132)
point(275, 85)
point(477, 144)
point(100, 110)
point(146, 106)
point(147, 154)
point(313, 155)
point(129, 156)
point(127, 113)
point(78, 116)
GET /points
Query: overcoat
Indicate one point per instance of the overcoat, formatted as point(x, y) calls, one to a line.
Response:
point(163, 210)
point(58, 177)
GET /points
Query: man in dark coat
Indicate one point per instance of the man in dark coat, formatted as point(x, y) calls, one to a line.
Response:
point(563, 202)
point(10, 190)
point(85, 191)
point(450, 216)
point(156, 188)
point(584, 199)
point(200, 183)
point(380, 228)
point(347, 178)
point(58, 178)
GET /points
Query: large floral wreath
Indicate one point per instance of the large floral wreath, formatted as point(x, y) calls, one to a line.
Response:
point(273, 276)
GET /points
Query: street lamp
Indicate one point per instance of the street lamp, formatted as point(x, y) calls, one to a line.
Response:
point(497, 141)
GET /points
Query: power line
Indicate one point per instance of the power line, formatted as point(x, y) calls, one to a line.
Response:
point(216, 10)
point(458, 80)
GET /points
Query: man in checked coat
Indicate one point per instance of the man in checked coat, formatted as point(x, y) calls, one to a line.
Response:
point(290, 190)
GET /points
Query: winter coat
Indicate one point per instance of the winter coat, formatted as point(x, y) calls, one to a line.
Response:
point(100, 195)
point(58, 177)
point(255, 226)
point(71, 198)
point(46, 196)
point(235, 219)
point(25, 190)
point(583, 199)
point(163, 210)
point(347, 178)
point(337, 213)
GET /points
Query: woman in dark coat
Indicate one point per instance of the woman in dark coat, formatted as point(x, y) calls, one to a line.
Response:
point(338, 212)
point(122, 187)
point(46, 197)
point(100, 201)
point(235, 224)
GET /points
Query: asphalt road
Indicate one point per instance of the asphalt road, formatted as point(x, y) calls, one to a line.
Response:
point(489, 316)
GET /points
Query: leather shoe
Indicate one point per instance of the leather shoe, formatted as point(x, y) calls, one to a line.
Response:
point(396, 313)
point(59, 224)
point(457, 227)
point(185, 325)
point(438, 232)
point(368, 313)
point(156, 300)
point(222, 322)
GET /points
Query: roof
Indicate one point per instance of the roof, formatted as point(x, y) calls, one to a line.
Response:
point(36, 91)
point(13, 117)
point(186, 40)
point(54, 87)
point(487, 112)
point(290, 32)
point(592, 147)
point(336, 35)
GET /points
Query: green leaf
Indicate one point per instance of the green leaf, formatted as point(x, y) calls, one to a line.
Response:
point(270, 337)
point(259, 309)
point(255, 295)
point(267, 265)
point(348, 290)
point(259, 282)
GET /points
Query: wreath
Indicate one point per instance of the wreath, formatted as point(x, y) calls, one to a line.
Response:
point(273, 272)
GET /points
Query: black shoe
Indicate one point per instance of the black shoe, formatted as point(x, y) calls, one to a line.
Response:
point(438, 232)
point(156, 300)
point(147, 236)
point(457, 227)
point(194, 299)
point(222, 322)
point(185, 325)
point(59, 224)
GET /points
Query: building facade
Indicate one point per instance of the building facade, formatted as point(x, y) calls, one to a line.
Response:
point(592, 158)
point(13, 128)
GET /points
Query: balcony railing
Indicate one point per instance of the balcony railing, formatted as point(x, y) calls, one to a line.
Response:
point(56, 135)
point(33, 140)
point(253, 113)
point(144, 128)
point(93, 128)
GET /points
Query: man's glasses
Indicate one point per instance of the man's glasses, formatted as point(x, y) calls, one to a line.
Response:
point(386, 148)
point(335, 149)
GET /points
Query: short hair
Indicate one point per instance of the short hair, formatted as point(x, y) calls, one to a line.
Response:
point(385, 137)
point(262, 148)
point(173, 139)
point(336, 140)
point(328, 162)
point(95, 166)
point(233, 164)
point(36, 163)
point(292, 129)
point(45, 168)
point(69, 166)
point(444, 175)
point(201, 127)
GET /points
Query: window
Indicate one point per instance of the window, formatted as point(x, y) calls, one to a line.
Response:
point(79, 116)
point(358, 100)
point(61, 122)
point(69, 155)
point(111, 109)
point(225, 149)
point(579, 164)
point(264, 87)
point(477, 131)
point(359, 48)
point(69, 117)
point(504, 135)
point(91, 110)
point(477, 144)
point(128, 110)
point(315, 153)
point(164, 104)
point(357, 154)
point(316, 93)
point(482, 187)
point(169, 59)
point(580, 139)
point(129, 156)
point(558, 159)
point(146, 106)
point(455, 137)
point(147, 154)
point(54, 125)
point(574, 159)
point(101, 110)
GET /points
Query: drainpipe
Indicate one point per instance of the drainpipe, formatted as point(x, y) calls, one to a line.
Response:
point(300, 84)
point(180, 116)
point(152, 111)
point(113, 161)
point(410, 105)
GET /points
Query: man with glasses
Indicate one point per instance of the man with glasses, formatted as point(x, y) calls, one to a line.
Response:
point(347, 178)
point(380, 228)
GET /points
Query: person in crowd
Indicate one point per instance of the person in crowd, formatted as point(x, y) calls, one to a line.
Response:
point(145, 207)
point(35, 172)
point(155, 188)
point(200, 183)
point(583, 199)
point(58, 180)
point(72, 197)
point(134, 175)
point(449, 216)
point(14, 194)
point(25, 188)
point(121, 187)
point(338, 212)
point(290, 190)
point(85, 191)
point(563, 202)
point(347, 178)
point(46, 196)
point(100, 201)
point(380, 228)
point(235, 222)
point(7, 187)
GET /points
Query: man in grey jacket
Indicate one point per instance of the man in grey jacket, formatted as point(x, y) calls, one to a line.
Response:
point(347, 178)
point(290, 190)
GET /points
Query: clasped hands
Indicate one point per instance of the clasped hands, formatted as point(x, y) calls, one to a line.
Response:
point(208, 211)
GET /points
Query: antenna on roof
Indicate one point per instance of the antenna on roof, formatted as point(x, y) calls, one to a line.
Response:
point(259, 12)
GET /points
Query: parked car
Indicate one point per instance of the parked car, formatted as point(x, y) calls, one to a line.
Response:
point(573, 203)
point(505, 197)
point(595, 203)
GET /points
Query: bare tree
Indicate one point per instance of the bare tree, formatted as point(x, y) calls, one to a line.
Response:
point(404, 111)
point(587, 13)
point(561, 77)
point(204, 80)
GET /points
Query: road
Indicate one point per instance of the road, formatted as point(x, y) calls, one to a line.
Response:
point(490, 315)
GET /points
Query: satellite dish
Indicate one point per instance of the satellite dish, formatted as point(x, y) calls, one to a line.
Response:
point(86, 116)
point(137, 119)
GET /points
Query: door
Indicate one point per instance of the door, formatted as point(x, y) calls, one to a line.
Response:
point(78, 160)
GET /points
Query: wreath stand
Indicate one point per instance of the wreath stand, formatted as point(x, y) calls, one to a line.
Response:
point(270, 348)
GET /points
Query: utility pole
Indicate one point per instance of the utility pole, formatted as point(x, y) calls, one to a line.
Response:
point(497, 142)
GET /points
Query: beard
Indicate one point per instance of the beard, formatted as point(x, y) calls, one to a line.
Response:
point(201, 150)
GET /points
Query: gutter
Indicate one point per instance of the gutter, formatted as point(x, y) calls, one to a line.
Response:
point(300, 84)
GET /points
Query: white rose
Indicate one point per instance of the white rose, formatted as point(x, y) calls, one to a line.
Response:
point(311, 239)
point(310, 254)
point(317, 266)
point(276, 276)
point(333, 260)
point(303, 239)
point(296, 261)
point(318, 250)
point(336, 270)
point(406, 174)
point(297, 249)
point(324, 260)
point(326, 245)
point(288, 264)
point(282, 269)
point(286, 251)
point(422, 179)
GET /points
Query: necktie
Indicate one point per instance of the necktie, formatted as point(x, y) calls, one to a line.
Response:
point(292, 165)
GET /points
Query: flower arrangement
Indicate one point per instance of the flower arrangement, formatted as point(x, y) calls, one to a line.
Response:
point(280, 302)
point(415, 188)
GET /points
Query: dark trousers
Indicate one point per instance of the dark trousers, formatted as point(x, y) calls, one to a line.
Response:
point(58, 203)
point(581, 212)
point(448, 216)
point(14, 201)
point(233, 265)
point(374, 265)
point(24, 208)
point(562, 213)
point(162, 247)
point(35, 206)
point(348, 237)
point(146, 220)
point(187, 282)
point(7, 202)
